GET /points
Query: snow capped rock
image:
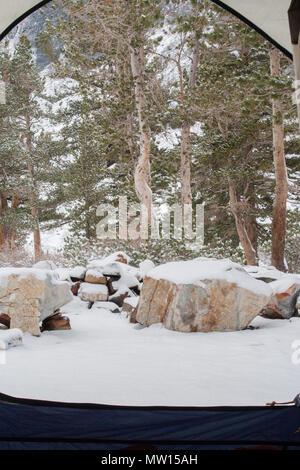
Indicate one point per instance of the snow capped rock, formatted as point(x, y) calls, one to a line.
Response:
point(111, 260)
point(78, 272)
point(130, 307)
point(284, 299)
point(95, 276)
point(126, 280)
point(201, 295)
point(29, 295)
point(196, 271)
point(109, 269)
point(10, 338)
point(93, 292)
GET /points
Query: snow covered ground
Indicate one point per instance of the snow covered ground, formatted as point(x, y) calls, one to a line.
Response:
point(105, 359)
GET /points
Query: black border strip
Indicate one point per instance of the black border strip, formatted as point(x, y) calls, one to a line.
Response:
point(94, 406)
point(217, 2)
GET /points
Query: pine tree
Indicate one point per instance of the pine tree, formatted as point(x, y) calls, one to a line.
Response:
point(25, 148)
point(235, 99)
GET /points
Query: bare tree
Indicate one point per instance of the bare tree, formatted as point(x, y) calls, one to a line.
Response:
point(239, 212)
point(3, 208)
point(186, 192)
point(32, 195)
point(281, 179)
point(142, 177)
point(117, 27)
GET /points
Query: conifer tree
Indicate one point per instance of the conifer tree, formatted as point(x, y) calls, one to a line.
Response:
point(25, 147)
point(118, 33)
point(27, 87)
point(237, 91)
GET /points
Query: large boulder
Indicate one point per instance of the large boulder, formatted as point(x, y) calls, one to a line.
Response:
point(201, 295)
point(28, 296)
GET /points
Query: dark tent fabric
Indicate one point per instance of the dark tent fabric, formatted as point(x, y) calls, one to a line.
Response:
point(40, 425)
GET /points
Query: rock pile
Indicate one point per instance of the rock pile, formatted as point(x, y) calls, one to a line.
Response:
point(198, 295)
point(109, 279)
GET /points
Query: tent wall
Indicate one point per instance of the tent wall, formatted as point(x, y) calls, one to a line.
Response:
point(14, 11)
point(31, 424)
point(267, 16)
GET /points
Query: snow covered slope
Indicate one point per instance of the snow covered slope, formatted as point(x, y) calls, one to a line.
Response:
point(105, 359)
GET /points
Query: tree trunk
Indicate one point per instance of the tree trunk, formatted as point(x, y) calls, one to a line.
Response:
point(142, 177)
point(3, 208)
point(32, 198)
point(36, 234)
point(130, 136)
point(12, 232)
point(186, 192)
point(251, 224)
point(237, 210)
point(281, 179)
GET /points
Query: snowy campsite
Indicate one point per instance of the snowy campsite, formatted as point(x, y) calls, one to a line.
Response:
point(115, 353)
point(149, 222)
